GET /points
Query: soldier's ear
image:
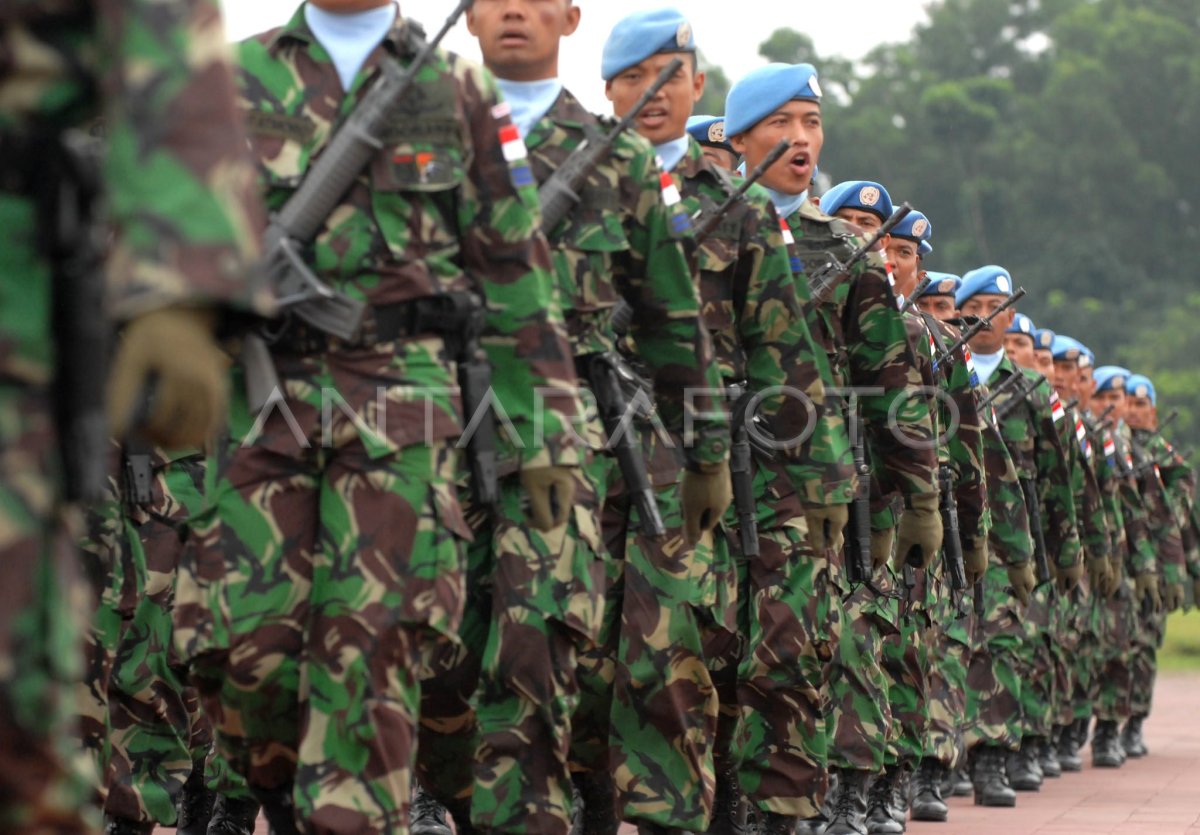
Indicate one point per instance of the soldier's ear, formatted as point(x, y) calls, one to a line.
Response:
point(698, 83)
point(739, 143)
point(572, 21)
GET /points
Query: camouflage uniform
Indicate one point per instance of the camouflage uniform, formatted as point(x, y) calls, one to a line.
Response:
point(621, 241)
point(864, 337)
point(179, 200)
point(330, 563)
point(678, 610)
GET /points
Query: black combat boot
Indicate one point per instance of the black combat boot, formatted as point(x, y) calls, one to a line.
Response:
point(1048, 756)
point(278, 808)
point(880, 797)
point(124, 826)
point(233, 816)
point(426, 816)
point(848, 809)
point(1106, 748)
point(1080, 732)
point(901, 795)
point(927, 803)
point(1024, 772)
point(1131, 737)
point(596, 790)
point(989, 779)
point(960, 783)
point(194, 806)
point(729, 809)
point(1068, 749)
point(773, 823)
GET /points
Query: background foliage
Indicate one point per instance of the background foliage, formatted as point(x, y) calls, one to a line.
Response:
point(1059, 138)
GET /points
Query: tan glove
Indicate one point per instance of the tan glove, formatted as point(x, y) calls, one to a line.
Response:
point(1068, 578)
point(920, 531)
point(174, 351)
point(551, 491)
point(704, 496)
point(1173, 597)
point(827, 527)
point(1021, 578)
point(1112, 580)
point(1097, 571)
point(975, 560)
point(1145, 586)
point(882, 546)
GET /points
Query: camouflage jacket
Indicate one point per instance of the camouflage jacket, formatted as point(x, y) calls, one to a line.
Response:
point(178, 182)
point(1161, 510)
point(1031, 432)
point(622, 240)
point(1089, 502)
point(1180, 480)
point(443, 209)
point(752, 311)
point(1010, 540)
point(1108, 479)
point(1139, 553)
point(863, 335)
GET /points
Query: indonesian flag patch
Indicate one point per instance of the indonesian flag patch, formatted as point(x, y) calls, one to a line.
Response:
point(789, 240)
point(516, 155)
point(680, 222)
point(1056, 407)
point(971, 366)
point(1081, 436)
point(1110, 445)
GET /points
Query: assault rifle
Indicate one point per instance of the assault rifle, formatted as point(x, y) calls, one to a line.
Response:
point(707, 221)
point(828, 278)
point(741, 471)
point(1029, 387)
point(982, 324)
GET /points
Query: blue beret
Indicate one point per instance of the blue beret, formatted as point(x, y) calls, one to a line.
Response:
point(916, 227)
point(642, 34)
point(1067, 349)
point(990, 280)
point(709, 130)
point(942, 284)
point(1110, 377)
point(1043, 339)
point(1089, 356)
point(863, 195)
point(1139, 385)
point(1023, 324)
point(764, 90)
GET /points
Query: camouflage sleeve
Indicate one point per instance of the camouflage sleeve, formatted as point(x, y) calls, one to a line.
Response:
point(183, 200)
point(964, 445)
point(503, 246)
point(657, 282)
point(1141, 558)
point(1162, 525)
point(1054, 480)
point(898, 421)
point(780, 351)
point(1093, 526)
point(1010, 538)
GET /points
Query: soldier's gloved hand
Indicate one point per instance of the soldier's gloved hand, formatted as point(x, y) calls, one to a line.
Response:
point(551, 491)
point(975, 559)
point(827, 526)
point(1097, 571)
point(920, 531)
point(1112, 579)
point(1173, 597)
point(1021, 578)
point(705, 496)
point(882, 545)
point(1145, 587)
point(1068, 578)
point(173, 351)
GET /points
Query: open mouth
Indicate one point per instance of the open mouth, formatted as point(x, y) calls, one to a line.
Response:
point(799, 164)
point(652, 116)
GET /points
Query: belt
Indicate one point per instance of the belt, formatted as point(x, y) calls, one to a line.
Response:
point(429, 316)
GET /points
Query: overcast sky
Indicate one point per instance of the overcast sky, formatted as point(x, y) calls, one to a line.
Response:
point(727, 31)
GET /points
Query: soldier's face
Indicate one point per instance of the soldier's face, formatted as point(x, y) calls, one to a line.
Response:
point(1138, 412)
point(1085, 385)
point(906, 265)
point(1043, 363)
point(799, 122)
point(664, 118)
point(1019, 348)
point(1111, 397)
point(721, 158)
point(939, 307)
point(519, 38)
point(989, 341)
point(1066, 379)
point(868, 222)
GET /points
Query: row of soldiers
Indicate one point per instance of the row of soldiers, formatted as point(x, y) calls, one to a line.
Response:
point(570, 473)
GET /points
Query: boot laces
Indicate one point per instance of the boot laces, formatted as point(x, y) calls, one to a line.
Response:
point(425, 806)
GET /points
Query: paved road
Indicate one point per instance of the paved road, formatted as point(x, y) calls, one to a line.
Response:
point(1158, 795)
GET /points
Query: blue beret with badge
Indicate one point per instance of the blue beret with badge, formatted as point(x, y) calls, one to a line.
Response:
point(1066, 349)
point(763, 91)
point(916, 228)
point(985, 281)
point(863, 195)
point(1043, 339)
point(642, 34)
point(942, 284)
point(1139, 385)
point(710, 131)
point(1111, 378)
point(1088, 359)
point(1024, 325)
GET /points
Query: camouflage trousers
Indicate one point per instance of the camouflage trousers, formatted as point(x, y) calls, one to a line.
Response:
point(948, 639)
point(325, 572)
point(1115, 618)
point(41, 600)
point(1081, 653)
point(905, 665)
point(496, 722)
point(1038, 665)
point(159, 733)
point(994, 678)
point(670, 603)
point(1147, 638)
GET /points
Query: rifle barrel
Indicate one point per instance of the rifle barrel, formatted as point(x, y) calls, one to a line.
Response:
point(709, 224)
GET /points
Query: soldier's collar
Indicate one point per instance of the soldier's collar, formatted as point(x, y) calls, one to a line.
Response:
point(297, 29)
point(566, 112)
